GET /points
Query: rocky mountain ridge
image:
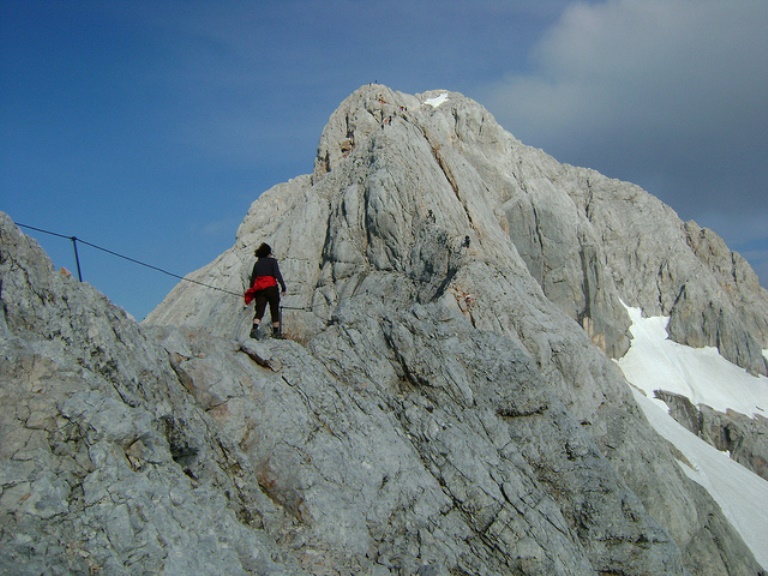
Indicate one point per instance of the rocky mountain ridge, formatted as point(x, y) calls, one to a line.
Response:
point(445, 405)
point(444, 195)
point(401, 185)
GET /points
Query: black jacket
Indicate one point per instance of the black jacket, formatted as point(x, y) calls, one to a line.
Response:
point(267, 267)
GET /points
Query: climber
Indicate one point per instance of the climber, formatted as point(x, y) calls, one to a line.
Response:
point(263, 288)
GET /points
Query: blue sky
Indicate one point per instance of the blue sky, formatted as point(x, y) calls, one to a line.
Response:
point(149, 127)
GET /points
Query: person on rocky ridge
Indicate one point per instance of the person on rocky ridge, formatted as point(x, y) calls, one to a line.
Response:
point(265, 277)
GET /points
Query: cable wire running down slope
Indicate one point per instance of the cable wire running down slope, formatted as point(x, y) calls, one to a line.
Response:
point(75, 240)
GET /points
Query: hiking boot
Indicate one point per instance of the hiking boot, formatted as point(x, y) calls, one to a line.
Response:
point(254, 332)
point(276, 333)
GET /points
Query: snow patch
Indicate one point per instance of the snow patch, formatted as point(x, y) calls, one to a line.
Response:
point(703, 376)
point(437, 100)
point(654, 362)
point(741, 494)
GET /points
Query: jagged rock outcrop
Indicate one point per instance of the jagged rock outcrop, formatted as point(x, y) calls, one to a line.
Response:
point(444, 405)
point(107, 464)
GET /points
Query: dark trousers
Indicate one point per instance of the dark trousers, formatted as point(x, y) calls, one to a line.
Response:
point(269, 296)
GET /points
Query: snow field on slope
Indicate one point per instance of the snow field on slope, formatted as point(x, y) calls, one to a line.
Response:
point(654, 362)
point(742, 495)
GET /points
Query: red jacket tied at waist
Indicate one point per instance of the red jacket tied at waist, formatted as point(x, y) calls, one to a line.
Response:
point(260, 283)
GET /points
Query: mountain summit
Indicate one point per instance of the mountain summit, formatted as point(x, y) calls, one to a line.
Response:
point(446, 401)
point(431, 191)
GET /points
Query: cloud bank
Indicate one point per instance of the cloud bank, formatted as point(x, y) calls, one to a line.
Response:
point(669, 94)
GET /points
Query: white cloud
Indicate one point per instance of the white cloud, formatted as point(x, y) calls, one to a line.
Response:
point(663, 62)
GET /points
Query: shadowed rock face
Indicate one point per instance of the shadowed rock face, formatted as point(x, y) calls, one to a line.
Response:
point(444, 405)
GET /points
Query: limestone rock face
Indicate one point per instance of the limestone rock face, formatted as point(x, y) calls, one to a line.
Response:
point(108, 465)
point(445, 402)
point(394, 442)
point(432, 191)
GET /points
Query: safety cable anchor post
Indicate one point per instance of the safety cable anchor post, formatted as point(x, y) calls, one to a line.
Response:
point(77, 258)
point(75, 240)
